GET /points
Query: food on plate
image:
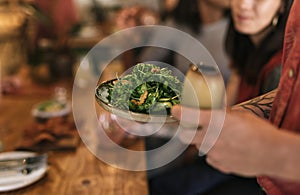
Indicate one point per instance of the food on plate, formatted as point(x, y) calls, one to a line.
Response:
point(148, 89)
point(50, 108)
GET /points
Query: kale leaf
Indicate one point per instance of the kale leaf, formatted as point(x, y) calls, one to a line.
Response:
point(147, 89)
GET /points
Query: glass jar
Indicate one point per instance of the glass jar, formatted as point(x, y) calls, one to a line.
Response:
point(203, 87)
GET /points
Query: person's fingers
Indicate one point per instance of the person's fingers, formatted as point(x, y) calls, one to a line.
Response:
point(191, 115)
point(205, 132)
point(201, 139)
point(191, 137)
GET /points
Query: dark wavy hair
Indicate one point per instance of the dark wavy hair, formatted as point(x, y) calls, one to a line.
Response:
point(187, 13)
point(249, 59)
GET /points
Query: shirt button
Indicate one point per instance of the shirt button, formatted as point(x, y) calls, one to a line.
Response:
point(291, 73)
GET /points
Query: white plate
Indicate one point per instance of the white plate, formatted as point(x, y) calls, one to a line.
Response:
point(36, 112)
point(18, 180)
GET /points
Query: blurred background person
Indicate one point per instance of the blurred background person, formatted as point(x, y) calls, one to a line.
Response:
point(254, 44)
point(50, 49)
point(205, 20)
point(135, 16)
point(62, 17)
point(167, 8)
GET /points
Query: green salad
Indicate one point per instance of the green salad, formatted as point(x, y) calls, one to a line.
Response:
point(51, 106)
point(148, 89)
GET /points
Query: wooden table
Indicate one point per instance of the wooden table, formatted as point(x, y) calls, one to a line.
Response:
point(71, 172)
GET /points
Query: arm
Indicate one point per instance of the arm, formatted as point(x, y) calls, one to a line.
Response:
point(260, 106)
point(246, 144)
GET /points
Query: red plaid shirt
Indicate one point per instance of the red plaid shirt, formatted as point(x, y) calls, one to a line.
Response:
point(286, 107)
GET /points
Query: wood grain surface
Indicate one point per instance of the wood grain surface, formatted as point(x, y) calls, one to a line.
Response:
point(69, 172)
